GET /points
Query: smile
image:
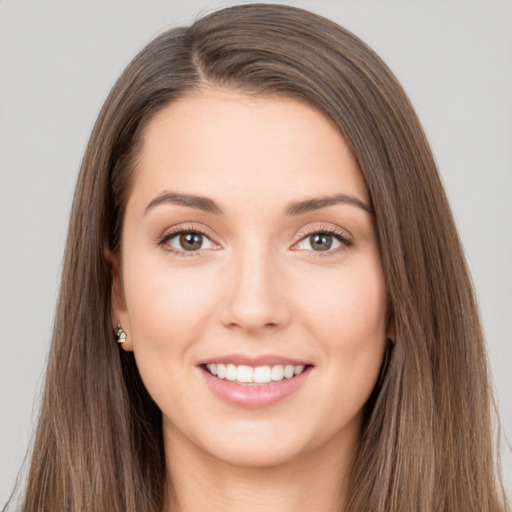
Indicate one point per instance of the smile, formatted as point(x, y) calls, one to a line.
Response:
point(248, 375)
point(254, 384)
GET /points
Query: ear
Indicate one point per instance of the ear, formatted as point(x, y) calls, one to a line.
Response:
point(118, 309)
point(391, 326)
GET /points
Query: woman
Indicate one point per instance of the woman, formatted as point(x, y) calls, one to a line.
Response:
point(259, 224)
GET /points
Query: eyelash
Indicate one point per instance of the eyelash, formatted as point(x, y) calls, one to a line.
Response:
point(173, 232)
point(330, 231)
point(340, 236)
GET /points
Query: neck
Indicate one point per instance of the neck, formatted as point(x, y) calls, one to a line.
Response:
point(314, 481)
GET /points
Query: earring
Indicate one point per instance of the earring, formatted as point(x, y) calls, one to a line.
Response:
point(121, 335)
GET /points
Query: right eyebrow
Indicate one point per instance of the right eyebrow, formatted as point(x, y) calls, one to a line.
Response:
point(192, 201)
point(316, 203)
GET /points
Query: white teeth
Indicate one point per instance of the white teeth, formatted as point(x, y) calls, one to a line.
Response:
point(221, 370)
point(289, 371)
point(260, 375)
point(244, 374)
point(231, 372)
point(277, 372)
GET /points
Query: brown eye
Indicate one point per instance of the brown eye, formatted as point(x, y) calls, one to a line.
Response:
point(191, 241)
point(323, 241)
point(188, 241)
point(320, 242)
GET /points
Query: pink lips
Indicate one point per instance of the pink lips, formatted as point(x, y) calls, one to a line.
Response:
point(254, 396)
point(254, 361)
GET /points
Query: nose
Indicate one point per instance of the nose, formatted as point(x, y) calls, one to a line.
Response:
point(254, 294)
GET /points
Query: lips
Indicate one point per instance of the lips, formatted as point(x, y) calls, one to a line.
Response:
point(254, 382)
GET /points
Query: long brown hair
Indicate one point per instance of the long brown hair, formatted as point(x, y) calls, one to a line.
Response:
point(427, 443)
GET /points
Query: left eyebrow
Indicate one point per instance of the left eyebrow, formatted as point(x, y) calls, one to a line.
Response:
point(316, 203)
point(192, 201)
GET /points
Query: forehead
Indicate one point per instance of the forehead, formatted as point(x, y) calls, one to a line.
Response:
point(228, 145)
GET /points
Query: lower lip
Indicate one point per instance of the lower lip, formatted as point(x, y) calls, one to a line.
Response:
point(253, 397)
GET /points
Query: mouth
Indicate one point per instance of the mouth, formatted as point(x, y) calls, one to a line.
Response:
point(245, 375)
point(254, 384)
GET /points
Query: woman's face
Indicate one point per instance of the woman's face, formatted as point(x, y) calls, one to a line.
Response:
point(249, 251)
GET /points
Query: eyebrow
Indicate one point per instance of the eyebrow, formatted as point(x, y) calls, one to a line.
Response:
point(199, 202)
point(297, 208)
point(317, 203)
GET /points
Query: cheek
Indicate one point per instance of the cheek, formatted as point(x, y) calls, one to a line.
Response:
point(169, 310)
point(349, 323)
point(347, 320)
point(348, 308)
point(168, 307)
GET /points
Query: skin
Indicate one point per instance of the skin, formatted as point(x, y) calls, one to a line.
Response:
point(257, 286)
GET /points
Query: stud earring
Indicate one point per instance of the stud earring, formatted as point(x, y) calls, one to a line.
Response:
point(121, 335)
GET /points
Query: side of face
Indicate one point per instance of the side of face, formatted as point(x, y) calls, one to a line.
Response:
point(248, 241)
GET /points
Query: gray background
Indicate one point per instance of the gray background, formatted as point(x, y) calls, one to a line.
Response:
point(58, 59)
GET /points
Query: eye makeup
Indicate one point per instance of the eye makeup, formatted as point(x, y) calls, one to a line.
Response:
point(191, 241)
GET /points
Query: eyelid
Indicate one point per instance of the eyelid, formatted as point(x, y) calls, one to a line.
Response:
point(179, 229)
point(343, 236)
point(322, 228)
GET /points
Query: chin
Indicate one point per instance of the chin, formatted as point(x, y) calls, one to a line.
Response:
point(259, 453)
point(268, 443)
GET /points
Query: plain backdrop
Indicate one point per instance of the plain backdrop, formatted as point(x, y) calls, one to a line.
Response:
point(58, 60)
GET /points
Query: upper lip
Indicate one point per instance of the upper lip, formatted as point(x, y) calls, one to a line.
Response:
point(255, 361)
